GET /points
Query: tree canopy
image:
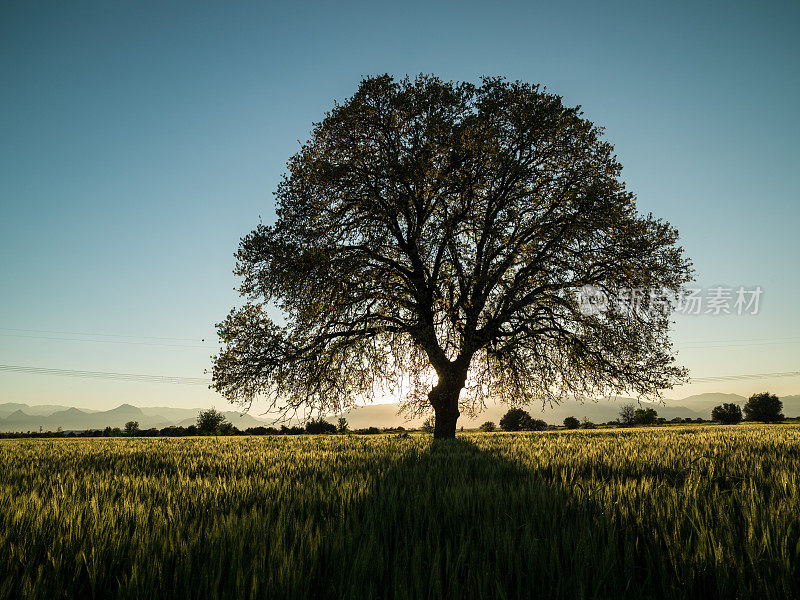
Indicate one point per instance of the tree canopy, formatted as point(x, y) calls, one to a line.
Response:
point(645, 416)
point(727, 413)
point(764, 407)
point(517, 419)
point(209, 422)
point(627, 414)
point(429, 240)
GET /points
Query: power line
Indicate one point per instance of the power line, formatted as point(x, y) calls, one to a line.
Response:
point(744, 377)
point(106, 375)
point(206, 381)
point(127, 342)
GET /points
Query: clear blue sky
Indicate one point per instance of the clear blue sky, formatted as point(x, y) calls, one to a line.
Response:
point(140, 140)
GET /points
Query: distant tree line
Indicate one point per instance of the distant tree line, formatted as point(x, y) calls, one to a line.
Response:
point(517, 419)
point(209, 422)
point(763, 407)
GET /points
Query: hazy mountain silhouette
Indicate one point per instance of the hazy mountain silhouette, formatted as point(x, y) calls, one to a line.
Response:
point(30, 418)
point(37, 409)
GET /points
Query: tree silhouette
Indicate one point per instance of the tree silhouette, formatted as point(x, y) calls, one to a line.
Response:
point(318, 426)
point(645, 416)
point(764, 407)
point(727, 414)
point(131, 428)
point(342, 426)
point(516, 419)
point(210, 421)
point(430, 237)
point(627, 415)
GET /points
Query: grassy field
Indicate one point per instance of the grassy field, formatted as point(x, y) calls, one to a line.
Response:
point(670, 512)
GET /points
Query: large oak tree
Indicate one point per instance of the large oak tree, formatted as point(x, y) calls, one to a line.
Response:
point(429, 240)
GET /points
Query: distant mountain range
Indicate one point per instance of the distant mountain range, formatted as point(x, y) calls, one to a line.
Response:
point(23, 417)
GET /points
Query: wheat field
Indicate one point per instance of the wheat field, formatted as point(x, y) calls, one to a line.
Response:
point(652, 513)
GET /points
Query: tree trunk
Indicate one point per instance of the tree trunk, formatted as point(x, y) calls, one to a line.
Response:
point(444, 399)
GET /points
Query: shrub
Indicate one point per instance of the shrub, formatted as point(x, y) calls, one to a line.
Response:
point(487, 426)
point(427, 426)
point(173, 431)
point(369, 431)
point(727, 414)
point(294, 430)
point(320, 426)
point(227, 429)
point(534, 425)
point(260, 430)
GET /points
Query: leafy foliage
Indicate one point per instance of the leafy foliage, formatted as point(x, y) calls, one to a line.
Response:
point(535, 425)
point(517, 419)
point(318, 426)
point(437, 231)
point(342, 426)
point(513, 419)
point(627, 415)
point(488, 426)
point(571, 423)
point(131, 428)
point(727, 414)
point(764, 407)
point(210, 421)
point(645, 416)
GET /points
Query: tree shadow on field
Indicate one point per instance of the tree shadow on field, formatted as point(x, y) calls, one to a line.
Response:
point(455, 520)
point(458, 521)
